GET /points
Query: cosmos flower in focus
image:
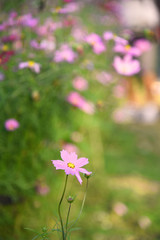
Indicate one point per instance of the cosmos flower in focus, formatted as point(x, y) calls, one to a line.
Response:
point(126, 66)
point(30, 64)
point(71, 164)
point(11, 124)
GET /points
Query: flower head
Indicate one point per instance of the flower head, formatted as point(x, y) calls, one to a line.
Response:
point(65, 53)
point(126, 66)
point(30, 64)
point(11, 124)
point(71, 164)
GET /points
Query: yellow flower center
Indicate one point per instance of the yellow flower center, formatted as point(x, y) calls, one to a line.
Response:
point(30, 63)
point(5, 48)
point(57, 9)
point(71, 165)
point(127, 47)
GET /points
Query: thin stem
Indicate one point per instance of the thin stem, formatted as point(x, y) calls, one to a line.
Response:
point(59, 208)
point(69, 209)
point(84, 198)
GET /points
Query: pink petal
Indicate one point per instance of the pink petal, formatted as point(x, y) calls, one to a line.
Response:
point(73, 157)
point(78, 177)
point(83, 170)
point(69, 170)
point(59, 164)
point(81, 162)
point(65, 155)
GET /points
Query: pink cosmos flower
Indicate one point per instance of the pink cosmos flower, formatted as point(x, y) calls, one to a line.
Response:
point(30, 64)
point(65, 53)
point(80, 83)
point(126, 66)
point(110, 36)
point(127, 49)
point(28, 20)
point(69, 147)
point(11, 124)
point(78, 101)
point(143, 45)
point(95, 41)
point(71, 165)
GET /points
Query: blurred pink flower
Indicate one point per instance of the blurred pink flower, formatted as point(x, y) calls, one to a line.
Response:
point(1, 76)
point(143, 45)
point(127, 49)
point(104, 77)
point(144, 222)
point(65, 53)
point(42, 188)
point(71, 164)
point(78, 101)
point(11, 124)
point(95, 41)
point(126, 66)
point(110, 36)
point(69, 147)
point(80, 83)
point(28, 20)
point(30, 64)
point(119, 91)
point(120, 209)
point(68, 8)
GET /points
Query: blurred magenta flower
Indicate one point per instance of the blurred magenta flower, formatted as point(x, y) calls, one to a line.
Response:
point(95, 41)
point(126, 66)
point(80, 83)
point(27, 20)
point(1, 76)
point(65, 53)
point(11, 124)
point(30, 64)
point(127, 49)
point(71, 164)
point(68, 8)
point(78, 101)
point(143, 45)
point(110, 36)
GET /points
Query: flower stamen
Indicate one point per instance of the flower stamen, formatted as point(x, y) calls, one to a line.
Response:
point(71, 165)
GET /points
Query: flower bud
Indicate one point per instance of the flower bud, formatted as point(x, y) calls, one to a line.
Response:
point(88, 175)
point(70, 199)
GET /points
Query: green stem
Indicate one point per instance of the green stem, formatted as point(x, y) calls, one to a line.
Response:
point(69, 209)
point(85, 194)
point(59, 208)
